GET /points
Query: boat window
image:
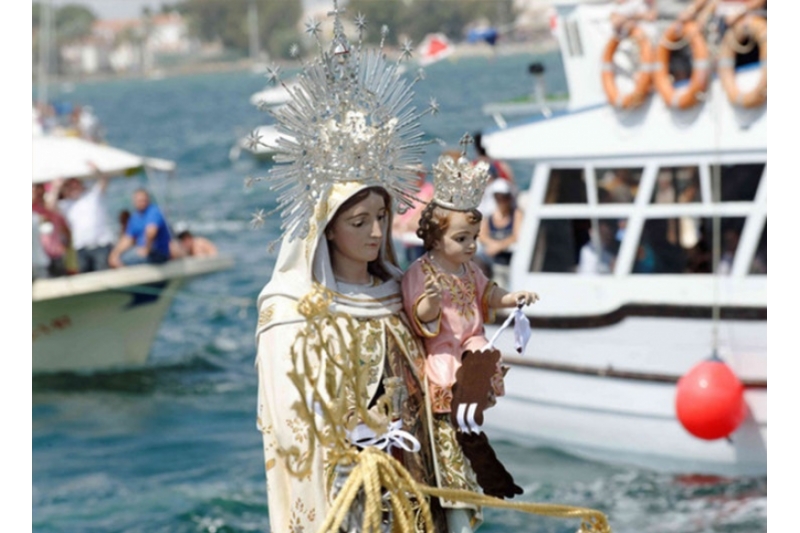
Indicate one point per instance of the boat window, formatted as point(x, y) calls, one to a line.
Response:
point(566, 186)
point(677, 185)
point(617, 185)
point(739, 182)
point(759, 264)
point(683, 245)
point(574, 39)
point(558, 244)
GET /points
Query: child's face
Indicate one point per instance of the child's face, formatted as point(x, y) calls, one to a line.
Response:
point(460, 241)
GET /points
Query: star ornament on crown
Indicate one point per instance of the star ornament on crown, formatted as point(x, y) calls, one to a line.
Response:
point(349, 119)
point(458, 184)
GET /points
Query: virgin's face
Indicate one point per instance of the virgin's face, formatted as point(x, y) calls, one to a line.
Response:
point(357, 233)
point(460, 241)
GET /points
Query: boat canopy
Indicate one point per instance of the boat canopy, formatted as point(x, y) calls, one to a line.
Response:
point(69, 157)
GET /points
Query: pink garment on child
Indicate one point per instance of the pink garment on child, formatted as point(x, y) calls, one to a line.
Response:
point(459, 327)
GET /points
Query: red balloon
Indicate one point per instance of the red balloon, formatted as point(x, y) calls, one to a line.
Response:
point(710, 400)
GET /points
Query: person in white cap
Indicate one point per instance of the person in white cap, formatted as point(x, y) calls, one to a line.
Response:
point(500, 228)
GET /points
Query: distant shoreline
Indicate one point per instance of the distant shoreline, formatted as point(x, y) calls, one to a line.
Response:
point(189, 69)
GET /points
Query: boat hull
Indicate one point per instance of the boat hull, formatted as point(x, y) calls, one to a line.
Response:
point(99, 331)
point(107, 320)
point(589, 392)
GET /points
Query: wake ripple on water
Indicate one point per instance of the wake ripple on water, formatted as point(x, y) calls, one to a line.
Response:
point(635, 500)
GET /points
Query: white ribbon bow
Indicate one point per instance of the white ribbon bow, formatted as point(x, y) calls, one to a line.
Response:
point(522, 331)
point(395, 437)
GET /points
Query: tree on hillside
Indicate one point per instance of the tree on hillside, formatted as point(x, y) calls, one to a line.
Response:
point(431, 16)
point(73, 22)
point(452, 16)
point(497, 12)
point(226, 20)
point(37, 14)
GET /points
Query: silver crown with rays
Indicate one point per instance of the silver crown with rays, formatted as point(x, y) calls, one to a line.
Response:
point(350, 118)
point(458, 184)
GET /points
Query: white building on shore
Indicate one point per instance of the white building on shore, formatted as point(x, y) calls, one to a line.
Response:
point(129, 45)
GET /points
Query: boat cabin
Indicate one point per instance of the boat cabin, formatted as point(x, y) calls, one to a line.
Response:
point(621, 197)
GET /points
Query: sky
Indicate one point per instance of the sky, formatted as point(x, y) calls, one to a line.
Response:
point(117, 9)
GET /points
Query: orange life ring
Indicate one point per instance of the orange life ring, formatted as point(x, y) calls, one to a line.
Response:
point(755, 28)
point(700, 65)
point(643, 75)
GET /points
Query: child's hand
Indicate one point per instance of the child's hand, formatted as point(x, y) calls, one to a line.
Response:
point(433, 289)
point(524, 297)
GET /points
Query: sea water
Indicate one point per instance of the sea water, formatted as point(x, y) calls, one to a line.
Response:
point(173, 447)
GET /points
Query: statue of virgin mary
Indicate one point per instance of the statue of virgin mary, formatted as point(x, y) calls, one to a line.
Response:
point(334, 303)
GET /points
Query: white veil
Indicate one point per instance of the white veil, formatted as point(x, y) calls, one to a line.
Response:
point(302, 263)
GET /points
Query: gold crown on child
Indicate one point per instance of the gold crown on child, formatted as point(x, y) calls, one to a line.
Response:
point(458, 184)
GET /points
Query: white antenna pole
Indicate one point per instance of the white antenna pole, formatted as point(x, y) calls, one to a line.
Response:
point(252, 26)
point(45, 30)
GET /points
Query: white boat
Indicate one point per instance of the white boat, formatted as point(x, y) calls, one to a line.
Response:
point(598, 377)
point(261, 143)
point(104, 320)
point(273, 96)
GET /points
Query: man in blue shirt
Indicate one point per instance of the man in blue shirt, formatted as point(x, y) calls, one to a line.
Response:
point(146, 238)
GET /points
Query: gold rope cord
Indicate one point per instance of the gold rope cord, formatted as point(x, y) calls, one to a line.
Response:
point(376, 469)
point(592, 521)
point(329, 374)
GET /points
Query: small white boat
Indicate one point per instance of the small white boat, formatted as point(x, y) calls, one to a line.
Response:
point(273, 96)
point(107, 319)
point(261, 143)
point(598, 378)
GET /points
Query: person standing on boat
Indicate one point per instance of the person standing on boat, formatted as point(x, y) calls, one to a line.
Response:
point(406, 224)
point(86, 210)
point(721, 14)
point(497, 170)
point(500, 230)
point(599, 254)
point(56, 237)
point(40, 259)
point(146, 238)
